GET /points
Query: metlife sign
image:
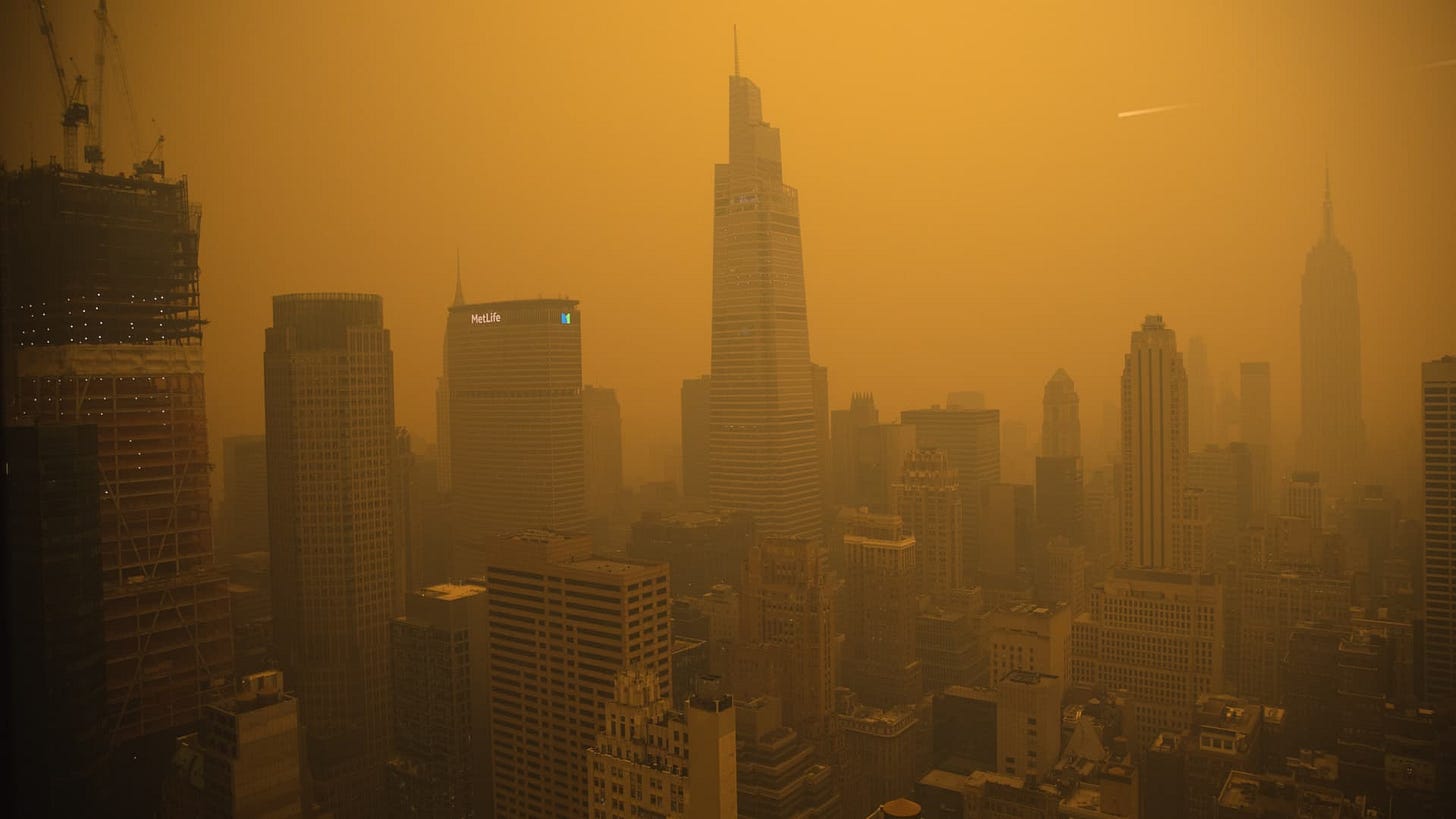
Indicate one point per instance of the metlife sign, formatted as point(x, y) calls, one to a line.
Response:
point(485, 318)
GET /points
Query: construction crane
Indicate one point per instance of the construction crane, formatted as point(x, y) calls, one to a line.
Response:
point(74, 112)
point(94, 156)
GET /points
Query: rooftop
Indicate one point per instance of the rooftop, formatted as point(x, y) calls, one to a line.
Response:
point(451, 591)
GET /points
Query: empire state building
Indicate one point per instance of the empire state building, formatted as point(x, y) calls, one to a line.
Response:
point(763, 455)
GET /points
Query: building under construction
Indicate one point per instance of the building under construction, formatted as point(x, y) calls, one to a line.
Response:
point(101, 326)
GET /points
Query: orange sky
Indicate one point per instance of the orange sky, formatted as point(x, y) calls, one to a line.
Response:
point(975, 214)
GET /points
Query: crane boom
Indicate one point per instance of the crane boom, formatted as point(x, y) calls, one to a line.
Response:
point(74, 112)
point(94, 156)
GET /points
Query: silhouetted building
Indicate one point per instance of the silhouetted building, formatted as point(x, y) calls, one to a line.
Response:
point(602, 435)
point(964, 735)
point(1438, 408)
point(779, 775)
point(1332, 430)
point(695, 420)
point(1264, 608)
point(972, 440)
point(1061, 423)
point(1063, 575)
point(950, 640)
point(328, 382)
point(819, 375)
point(764, 455)
point(517, 455)
point(845, 426)
point(879, 613)
point(1154, 449)
point(1226, 735)
point(407, 553)
point(1007, 525)
point(245, 494)
point(250, 591)
point(439, 658)
point(879, 465)
point(102, 326)
point(883, 752)
point(562, 624)
point(56, 726)
point(1059, 498)
point(927, 499)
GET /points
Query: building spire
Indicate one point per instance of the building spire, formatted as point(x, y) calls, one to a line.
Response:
point(459, 291)
point(1329, 205)
point(735, 49)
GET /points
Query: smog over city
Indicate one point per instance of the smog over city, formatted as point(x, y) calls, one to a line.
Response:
point(729, 409)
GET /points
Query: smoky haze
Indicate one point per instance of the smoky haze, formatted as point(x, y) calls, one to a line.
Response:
point(976, 213)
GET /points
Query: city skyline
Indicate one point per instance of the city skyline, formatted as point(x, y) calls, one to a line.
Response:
point(1276, 158)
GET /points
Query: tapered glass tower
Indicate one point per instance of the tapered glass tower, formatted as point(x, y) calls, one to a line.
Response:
point(763, 455)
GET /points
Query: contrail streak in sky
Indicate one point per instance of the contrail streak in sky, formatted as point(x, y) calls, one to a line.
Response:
point(1158, 110)
point(1442, 64)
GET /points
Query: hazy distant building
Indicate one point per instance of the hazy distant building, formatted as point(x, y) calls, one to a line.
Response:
point(1438, 417)
point(1304, 498)
point(845, 426)
point(1159, 636)
point(56, 714)
point(250, 752)
point(245, 494)
point(703, 548)
point(928, 501)
point(602, 438)
point(949, 640)
point(439, 650)
point(1256, 428)
point(1062, 575)
point(787, 641)
point(764, 454)
point(879, 464)
point(1332, 431)
point(972, 440)
point(562, 625)
point(1264, 606)
point(695, 396)
point(1223, 475)
point(407, 553)
point(822, 430)
point(442, 391)
point(328, 384)
point(880, 607)
point(1059, 498)
point(1007, 529)
point(882, 751)
point(1061, 422)
point(1028, 722)
point(102, 326)
point(1154, 448)
point(779, 774)
point(516, 434)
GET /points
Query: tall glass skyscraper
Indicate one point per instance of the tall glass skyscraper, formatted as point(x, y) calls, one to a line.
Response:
point(763, 451)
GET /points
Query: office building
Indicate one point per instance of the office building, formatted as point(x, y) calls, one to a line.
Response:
point(440, 765)
point(562, 624)
point(1332, 425)
point(517, 455)
point(57, 648)
point(963, 736)
point(927, 499)
point(1061, 423)
point(244, 524)
point(1007, 537)
point(1028, 722)
point(442, 392)
point(1304, 499)
point(971, 438)
point(819, 376)
point(1200, 406)
point(1226, 735)
point(1264, 608)
point(1154, 448)
point(764, 455)
point(1062, 575)
point(328, 383)
point(102, 326)
point(882, 751)
point(845, 426)
point(602, 437)
point(950, 640)
point(1438, 435)
point(880, 609)
point(787, 640)
point(695, 396)
point(704, 549)
point(1224, 477)
point(1159, 636)
point(1059, 503)
point(1030, 637)
point(780, 776)
point(880, 456)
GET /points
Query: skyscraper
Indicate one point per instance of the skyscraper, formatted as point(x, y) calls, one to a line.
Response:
point(763, 441)
point(1332, 433)
point(1154, 447)
point(972, 440)
point(562, 625)
point(1200, 407)
point(517, 455)
point(1438, 389)
point(56, 713)
point(695, 397)
point(927, 499)
point(845, 426)
point(102, 326)
point(245, 494)
point(880, 606)
point(602, 436)
point(249, 747)
point(1061, 424)
point(442, 392)
point(328, 387)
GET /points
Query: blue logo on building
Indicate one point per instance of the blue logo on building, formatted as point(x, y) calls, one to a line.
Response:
point(565, 318)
